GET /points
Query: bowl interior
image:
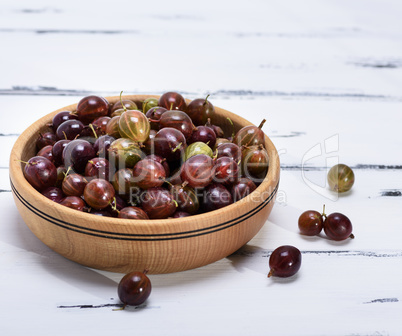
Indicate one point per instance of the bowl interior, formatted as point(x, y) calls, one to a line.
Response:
point(25, 148)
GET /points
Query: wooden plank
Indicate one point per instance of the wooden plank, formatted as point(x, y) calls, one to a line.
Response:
point(326, 75)
point(329, 55)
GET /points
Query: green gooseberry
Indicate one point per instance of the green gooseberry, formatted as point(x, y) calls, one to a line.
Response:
point(133, 124)
point(148, 104)
point(124, 152)
point(198, 148)
point(341, 178)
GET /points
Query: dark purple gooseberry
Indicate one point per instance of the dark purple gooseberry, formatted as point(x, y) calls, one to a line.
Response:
point(123, 181)
point(91, 133)
point(226, 170)
point(61, 117)
point(229, 149)
point(46, 152)
point(169, 143)
point(254, 161)
point(310, 223)
point(40, 172)
point(102, 144)
point(284, 261)
point(74, 185)
point(161, 160)
point(53, 193)
point(149, 173)
point(203, 134)
point(178, 120)
point(116, 205)
point(199, 110)
point(198, 171)
point(216, 197)
point(98, 167)
point(69, 129)
point(91, 107)
point(180, 214)
point(149, 144)
point(134, 289)
point(242, 188)
point(77, 153)
point(57, 151)
point(132, 213)
point(158, 203)
point(217, 129)
point(99, 193)
point(101, 124)
point(173, 101)
point(155, 113)
point(175, 178)
point(250, 136)
point(186, 198)
point(45, 139)
point(338, 227)
point(73, 202)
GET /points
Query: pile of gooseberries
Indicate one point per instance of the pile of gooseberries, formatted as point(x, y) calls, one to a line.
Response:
point(160, 158)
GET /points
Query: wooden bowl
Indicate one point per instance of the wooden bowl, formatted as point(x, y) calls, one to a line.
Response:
point(122, 245)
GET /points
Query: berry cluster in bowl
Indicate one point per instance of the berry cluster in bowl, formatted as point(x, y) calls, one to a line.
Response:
point(154, 159)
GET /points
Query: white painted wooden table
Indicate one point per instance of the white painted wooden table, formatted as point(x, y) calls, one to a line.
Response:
point(327, 75)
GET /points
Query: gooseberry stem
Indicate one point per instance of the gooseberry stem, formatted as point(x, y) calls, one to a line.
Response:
point(233, 128)
point(113, 205)
point(66, 172)
point(121, 102)
point(323, 212)
point(121, 308)
point(168, 182)
point(177, 147)
point(93, 130)
point(262, 123)
point(206, 100)
point(270, 273)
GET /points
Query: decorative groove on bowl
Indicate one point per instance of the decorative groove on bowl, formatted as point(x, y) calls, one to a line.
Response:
point(144, 237)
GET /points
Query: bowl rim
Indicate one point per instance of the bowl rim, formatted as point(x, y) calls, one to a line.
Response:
point(169, 228)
